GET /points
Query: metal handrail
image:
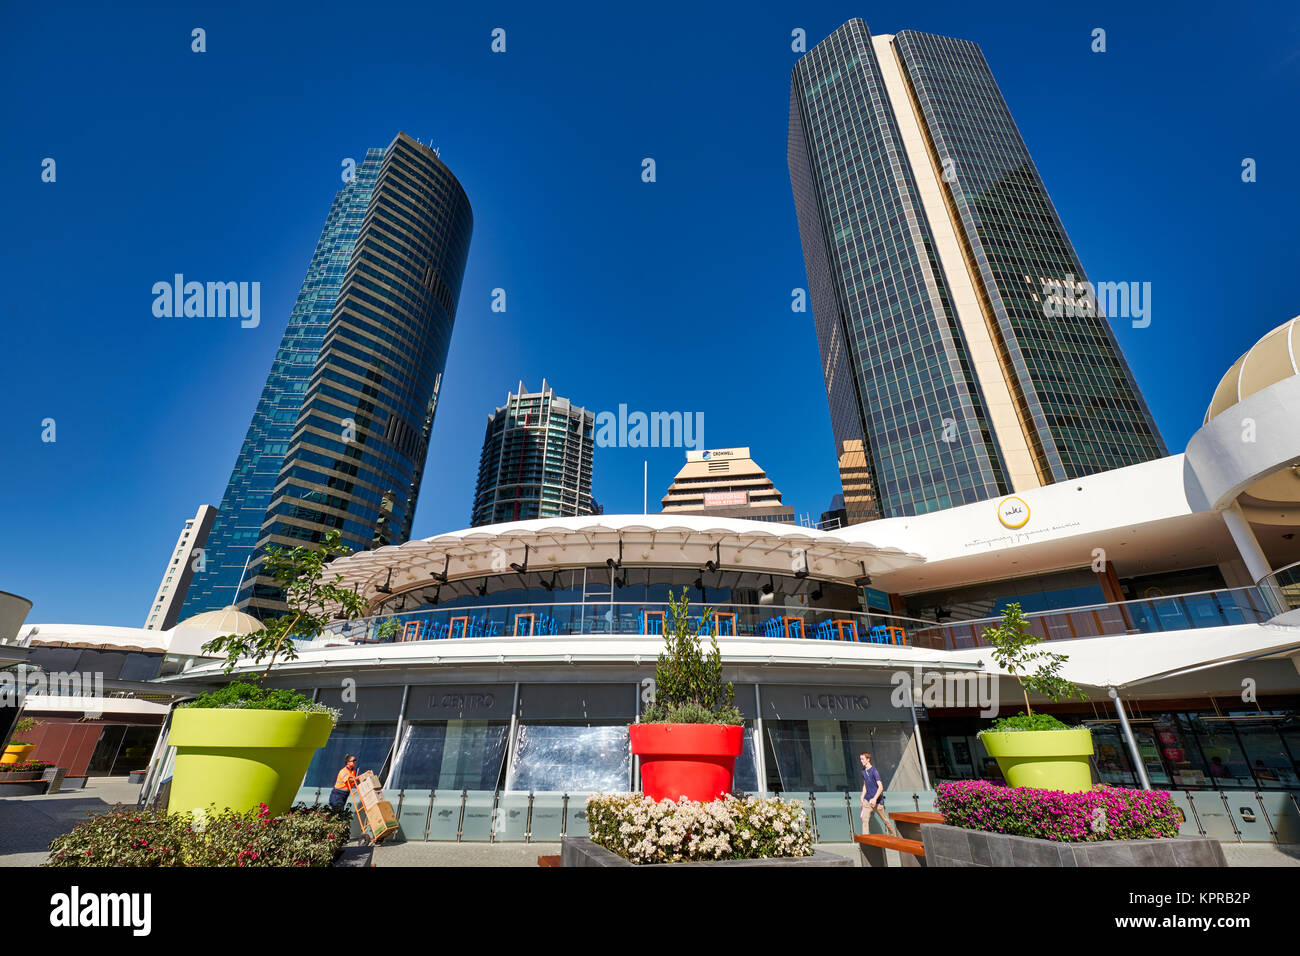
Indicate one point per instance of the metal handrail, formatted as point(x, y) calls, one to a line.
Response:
point(469, 609)
point(1091, 607)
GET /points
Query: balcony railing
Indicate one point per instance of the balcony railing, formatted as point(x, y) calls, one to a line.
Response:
point(1282, 588)
point(1179, 612)
point(1176, 612)
point(606, 618)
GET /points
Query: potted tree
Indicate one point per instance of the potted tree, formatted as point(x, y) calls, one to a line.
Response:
point(689, 736)
point(245, 745)
point(17, 750)
point(1036, 750)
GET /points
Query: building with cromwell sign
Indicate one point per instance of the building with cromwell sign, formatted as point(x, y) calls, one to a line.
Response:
point(727, 483)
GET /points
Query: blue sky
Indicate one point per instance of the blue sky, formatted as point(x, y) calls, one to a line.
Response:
point(672, 295)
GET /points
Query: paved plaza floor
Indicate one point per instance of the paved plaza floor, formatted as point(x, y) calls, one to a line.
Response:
point(28, 824)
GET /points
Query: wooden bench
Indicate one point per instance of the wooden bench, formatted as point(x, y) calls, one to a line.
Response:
point(909, 822)
point(549, 860)
point(874, 845)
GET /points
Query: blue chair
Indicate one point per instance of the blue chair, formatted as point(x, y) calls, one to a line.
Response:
point(878, 634)
point(825, 631)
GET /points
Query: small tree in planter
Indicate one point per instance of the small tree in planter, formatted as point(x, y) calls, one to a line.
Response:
point(1036, 750)
point(691, 733)
point(245, 745)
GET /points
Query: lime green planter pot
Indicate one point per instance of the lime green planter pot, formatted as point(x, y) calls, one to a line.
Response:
point(242, 758)
point(1043, 759)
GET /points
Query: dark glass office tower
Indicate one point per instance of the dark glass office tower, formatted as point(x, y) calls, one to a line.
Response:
point(929, 238)
point(243, 507)
point(536, 460)
point(358, 450)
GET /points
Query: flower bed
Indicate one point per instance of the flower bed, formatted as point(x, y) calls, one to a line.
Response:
point(643, 831)
point(305, 836)
point(30, 766)
point(1102, 813)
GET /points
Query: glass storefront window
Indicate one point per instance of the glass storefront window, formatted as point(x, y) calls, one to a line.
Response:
point(745, 779)
point(1266, 753)
point(571, 758)
point(451, 755)
point(371, 741)
point(822, 755)
point(1224, 760)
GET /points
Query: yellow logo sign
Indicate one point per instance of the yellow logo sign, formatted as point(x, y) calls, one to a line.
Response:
point(1013, 512)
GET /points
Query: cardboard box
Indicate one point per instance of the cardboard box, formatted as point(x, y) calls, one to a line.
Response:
point(368, 782)
point(381, 818)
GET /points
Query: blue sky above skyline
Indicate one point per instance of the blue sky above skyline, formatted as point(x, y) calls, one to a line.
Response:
point(665, 296)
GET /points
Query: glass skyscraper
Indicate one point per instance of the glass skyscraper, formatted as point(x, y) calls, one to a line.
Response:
point(357, 452)
point(243, 507)
point(536, 460)
point(931, 244)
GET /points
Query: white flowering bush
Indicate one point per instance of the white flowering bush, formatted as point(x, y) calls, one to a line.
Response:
point(643, 831)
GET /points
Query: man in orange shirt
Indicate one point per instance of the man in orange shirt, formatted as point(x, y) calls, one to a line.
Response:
point(344, 782)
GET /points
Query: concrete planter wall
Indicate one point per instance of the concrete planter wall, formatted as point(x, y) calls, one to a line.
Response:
point(581, 851)
point(23, 788)
point(956, 846)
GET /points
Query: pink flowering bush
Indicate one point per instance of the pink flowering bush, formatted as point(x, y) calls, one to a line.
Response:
point(1102, 813)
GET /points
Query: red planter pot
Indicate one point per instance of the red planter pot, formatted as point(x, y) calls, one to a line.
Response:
point(695, 761)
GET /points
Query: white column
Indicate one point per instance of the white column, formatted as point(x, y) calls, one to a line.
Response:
point(1247, 545)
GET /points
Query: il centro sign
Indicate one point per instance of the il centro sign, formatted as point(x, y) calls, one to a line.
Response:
point(462, 702)
point(837, 702)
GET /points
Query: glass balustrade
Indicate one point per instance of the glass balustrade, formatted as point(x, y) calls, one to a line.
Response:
point(1177, 612)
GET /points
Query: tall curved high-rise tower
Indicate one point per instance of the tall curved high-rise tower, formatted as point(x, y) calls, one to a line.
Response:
point(357, 454)
point(932, 250)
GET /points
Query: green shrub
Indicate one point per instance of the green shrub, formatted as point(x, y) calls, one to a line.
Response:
point(1023, 721)
point(305, 836)
point(22, 727)
point(688, 684)
point(243, 695)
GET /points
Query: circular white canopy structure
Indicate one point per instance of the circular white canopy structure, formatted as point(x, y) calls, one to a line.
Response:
point(658, 541)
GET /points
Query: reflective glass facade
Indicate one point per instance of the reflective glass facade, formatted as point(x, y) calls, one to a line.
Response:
point(238, 523)
point(357, 454)
point(1069, 374)
point(900, 369)
point(892, 350)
